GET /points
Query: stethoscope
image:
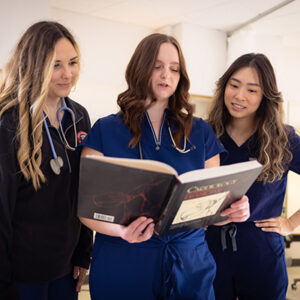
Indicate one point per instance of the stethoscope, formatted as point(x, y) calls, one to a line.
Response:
point(183, 150)
point(56, 163)
point(180, 150)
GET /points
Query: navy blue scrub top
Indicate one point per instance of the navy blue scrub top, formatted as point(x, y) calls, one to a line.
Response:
point(110, 136)
point(266, 199)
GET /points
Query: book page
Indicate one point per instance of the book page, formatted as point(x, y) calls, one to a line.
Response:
point(197, 208)
point(143, 164)
point(218, 171)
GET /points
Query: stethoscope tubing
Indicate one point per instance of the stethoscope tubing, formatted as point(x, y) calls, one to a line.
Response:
point(184, 150)
point(67, 109)
point(49, 137)
point(58, 160)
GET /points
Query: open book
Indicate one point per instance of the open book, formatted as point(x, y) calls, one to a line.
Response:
point(118, 190)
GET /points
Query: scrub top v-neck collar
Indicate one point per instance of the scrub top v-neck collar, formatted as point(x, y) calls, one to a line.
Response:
point(156, 140)
point(234, 144)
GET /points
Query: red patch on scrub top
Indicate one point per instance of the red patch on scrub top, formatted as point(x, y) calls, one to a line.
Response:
point(80, 136)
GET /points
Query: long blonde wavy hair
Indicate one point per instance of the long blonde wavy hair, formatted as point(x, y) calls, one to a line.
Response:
point(271, 136)
point(24, 84)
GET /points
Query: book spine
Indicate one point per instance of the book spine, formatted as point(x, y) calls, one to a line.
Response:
point(168, 212)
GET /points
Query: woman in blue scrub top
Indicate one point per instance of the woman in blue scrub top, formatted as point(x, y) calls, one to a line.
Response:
point(247, 117)
point(128, 261)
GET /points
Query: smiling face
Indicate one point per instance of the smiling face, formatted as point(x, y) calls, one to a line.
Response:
point(243, 93)
point(65, 71)
point(166, 73)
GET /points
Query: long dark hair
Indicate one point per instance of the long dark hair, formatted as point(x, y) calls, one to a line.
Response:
point(138, 77)
point(271, 133)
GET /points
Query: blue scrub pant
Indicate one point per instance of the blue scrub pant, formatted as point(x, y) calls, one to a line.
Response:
point(256, 270)
point(174, 269)
point(60, 289)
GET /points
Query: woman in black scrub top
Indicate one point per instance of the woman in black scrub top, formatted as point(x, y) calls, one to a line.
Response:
point(44, 249)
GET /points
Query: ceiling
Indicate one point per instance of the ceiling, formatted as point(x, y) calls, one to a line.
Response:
point(223, 15)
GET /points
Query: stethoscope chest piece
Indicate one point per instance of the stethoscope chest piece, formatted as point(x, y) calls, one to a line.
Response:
point(56, 164)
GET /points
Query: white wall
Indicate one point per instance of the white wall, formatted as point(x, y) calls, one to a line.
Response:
point(205, 51)
point(284, 58)
point(15, 17)
point(290, 82)
point(205, 55)
point(106, 48)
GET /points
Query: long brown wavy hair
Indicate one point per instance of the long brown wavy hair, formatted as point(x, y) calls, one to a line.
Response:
point(271, 134)
point(24, 84)
point(138, 77)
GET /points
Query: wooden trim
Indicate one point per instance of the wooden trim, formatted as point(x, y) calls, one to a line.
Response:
point(201, 105)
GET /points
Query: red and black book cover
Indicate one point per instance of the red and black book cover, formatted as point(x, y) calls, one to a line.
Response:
point(119, 194)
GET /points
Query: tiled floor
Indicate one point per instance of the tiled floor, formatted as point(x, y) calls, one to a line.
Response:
point(294, 272)
point(84, 294)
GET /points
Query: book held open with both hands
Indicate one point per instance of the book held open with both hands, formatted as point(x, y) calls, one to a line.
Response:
point(119, 190)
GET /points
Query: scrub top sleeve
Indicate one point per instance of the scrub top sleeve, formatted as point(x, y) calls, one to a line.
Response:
point(8, 188)
point(83, 251)
point(212, 145)
point(94, 138)
point(86, 130)
point(294, 140)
